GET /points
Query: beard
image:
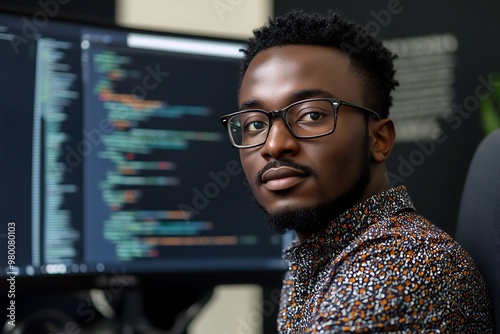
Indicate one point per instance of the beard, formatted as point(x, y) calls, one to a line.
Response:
point(316, 218)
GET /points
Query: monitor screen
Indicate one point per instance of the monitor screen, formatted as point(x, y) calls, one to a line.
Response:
point(114, 158)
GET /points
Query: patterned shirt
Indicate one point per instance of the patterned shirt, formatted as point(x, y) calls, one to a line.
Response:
point(381, 268)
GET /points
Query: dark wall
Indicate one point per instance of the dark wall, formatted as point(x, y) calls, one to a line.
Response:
point(435, 170)
point(80, 10)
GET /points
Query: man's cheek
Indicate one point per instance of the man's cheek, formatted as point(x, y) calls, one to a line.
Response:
point(249, 169)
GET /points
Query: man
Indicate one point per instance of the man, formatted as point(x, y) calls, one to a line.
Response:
point(313, 134)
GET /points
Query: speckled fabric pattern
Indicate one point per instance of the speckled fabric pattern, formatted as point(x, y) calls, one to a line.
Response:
point(382, 268)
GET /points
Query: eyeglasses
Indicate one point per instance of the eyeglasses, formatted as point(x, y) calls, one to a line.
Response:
point(304, 119)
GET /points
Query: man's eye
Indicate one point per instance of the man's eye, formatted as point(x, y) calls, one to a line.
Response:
point(254, 126)
point(311, 116)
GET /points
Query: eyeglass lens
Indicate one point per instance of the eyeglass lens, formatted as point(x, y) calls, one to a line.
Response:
point(304, 119)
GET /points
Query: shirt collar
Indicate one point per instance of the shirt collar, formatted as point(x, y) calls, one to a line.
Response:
point(311, 254)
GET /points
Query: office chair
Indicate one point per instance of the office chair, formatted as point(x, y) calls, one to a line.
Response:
point(478, 227)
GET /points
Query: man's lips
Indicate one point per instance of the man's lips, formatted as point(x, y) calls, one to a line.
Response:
point(281, 178)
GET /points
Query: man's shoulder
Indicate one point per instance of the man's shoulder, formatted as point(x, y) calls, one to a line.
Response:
point(411, 233)
point(409, 224)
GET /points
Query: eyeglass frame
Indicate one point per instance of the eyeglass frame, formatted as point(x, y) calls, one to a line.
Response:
point(281, 113)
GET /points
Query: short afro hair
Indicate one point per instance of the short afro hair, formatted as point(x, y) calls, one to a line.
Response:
point(367, 54)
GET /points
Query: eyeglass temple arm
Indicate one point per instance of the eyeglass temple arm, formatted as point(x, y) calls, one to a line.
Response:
point(360, 108)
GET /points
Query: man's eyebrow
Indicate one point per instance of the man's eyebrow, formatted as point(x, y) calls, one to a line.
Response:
point(310, 93)
point(250, 104)
point(294, 97)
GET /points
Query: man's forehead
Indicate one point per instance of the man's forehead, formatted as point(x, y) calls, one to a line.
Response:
point(302, 52)
point(280, 71)
point(301, 61)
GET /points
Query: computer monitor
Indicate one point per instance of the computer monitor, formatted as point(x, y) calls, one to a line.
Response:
point(114, 160)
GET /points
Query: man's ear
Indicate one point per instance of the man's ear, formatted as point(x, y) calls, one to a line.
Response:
point(383, 135)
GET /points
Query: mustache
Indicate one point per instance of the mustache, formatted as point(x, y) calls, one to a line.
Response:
point(283, 163)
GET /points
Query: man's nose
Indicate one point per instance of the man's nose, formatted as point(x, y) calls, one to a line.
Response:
point(279, 141)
